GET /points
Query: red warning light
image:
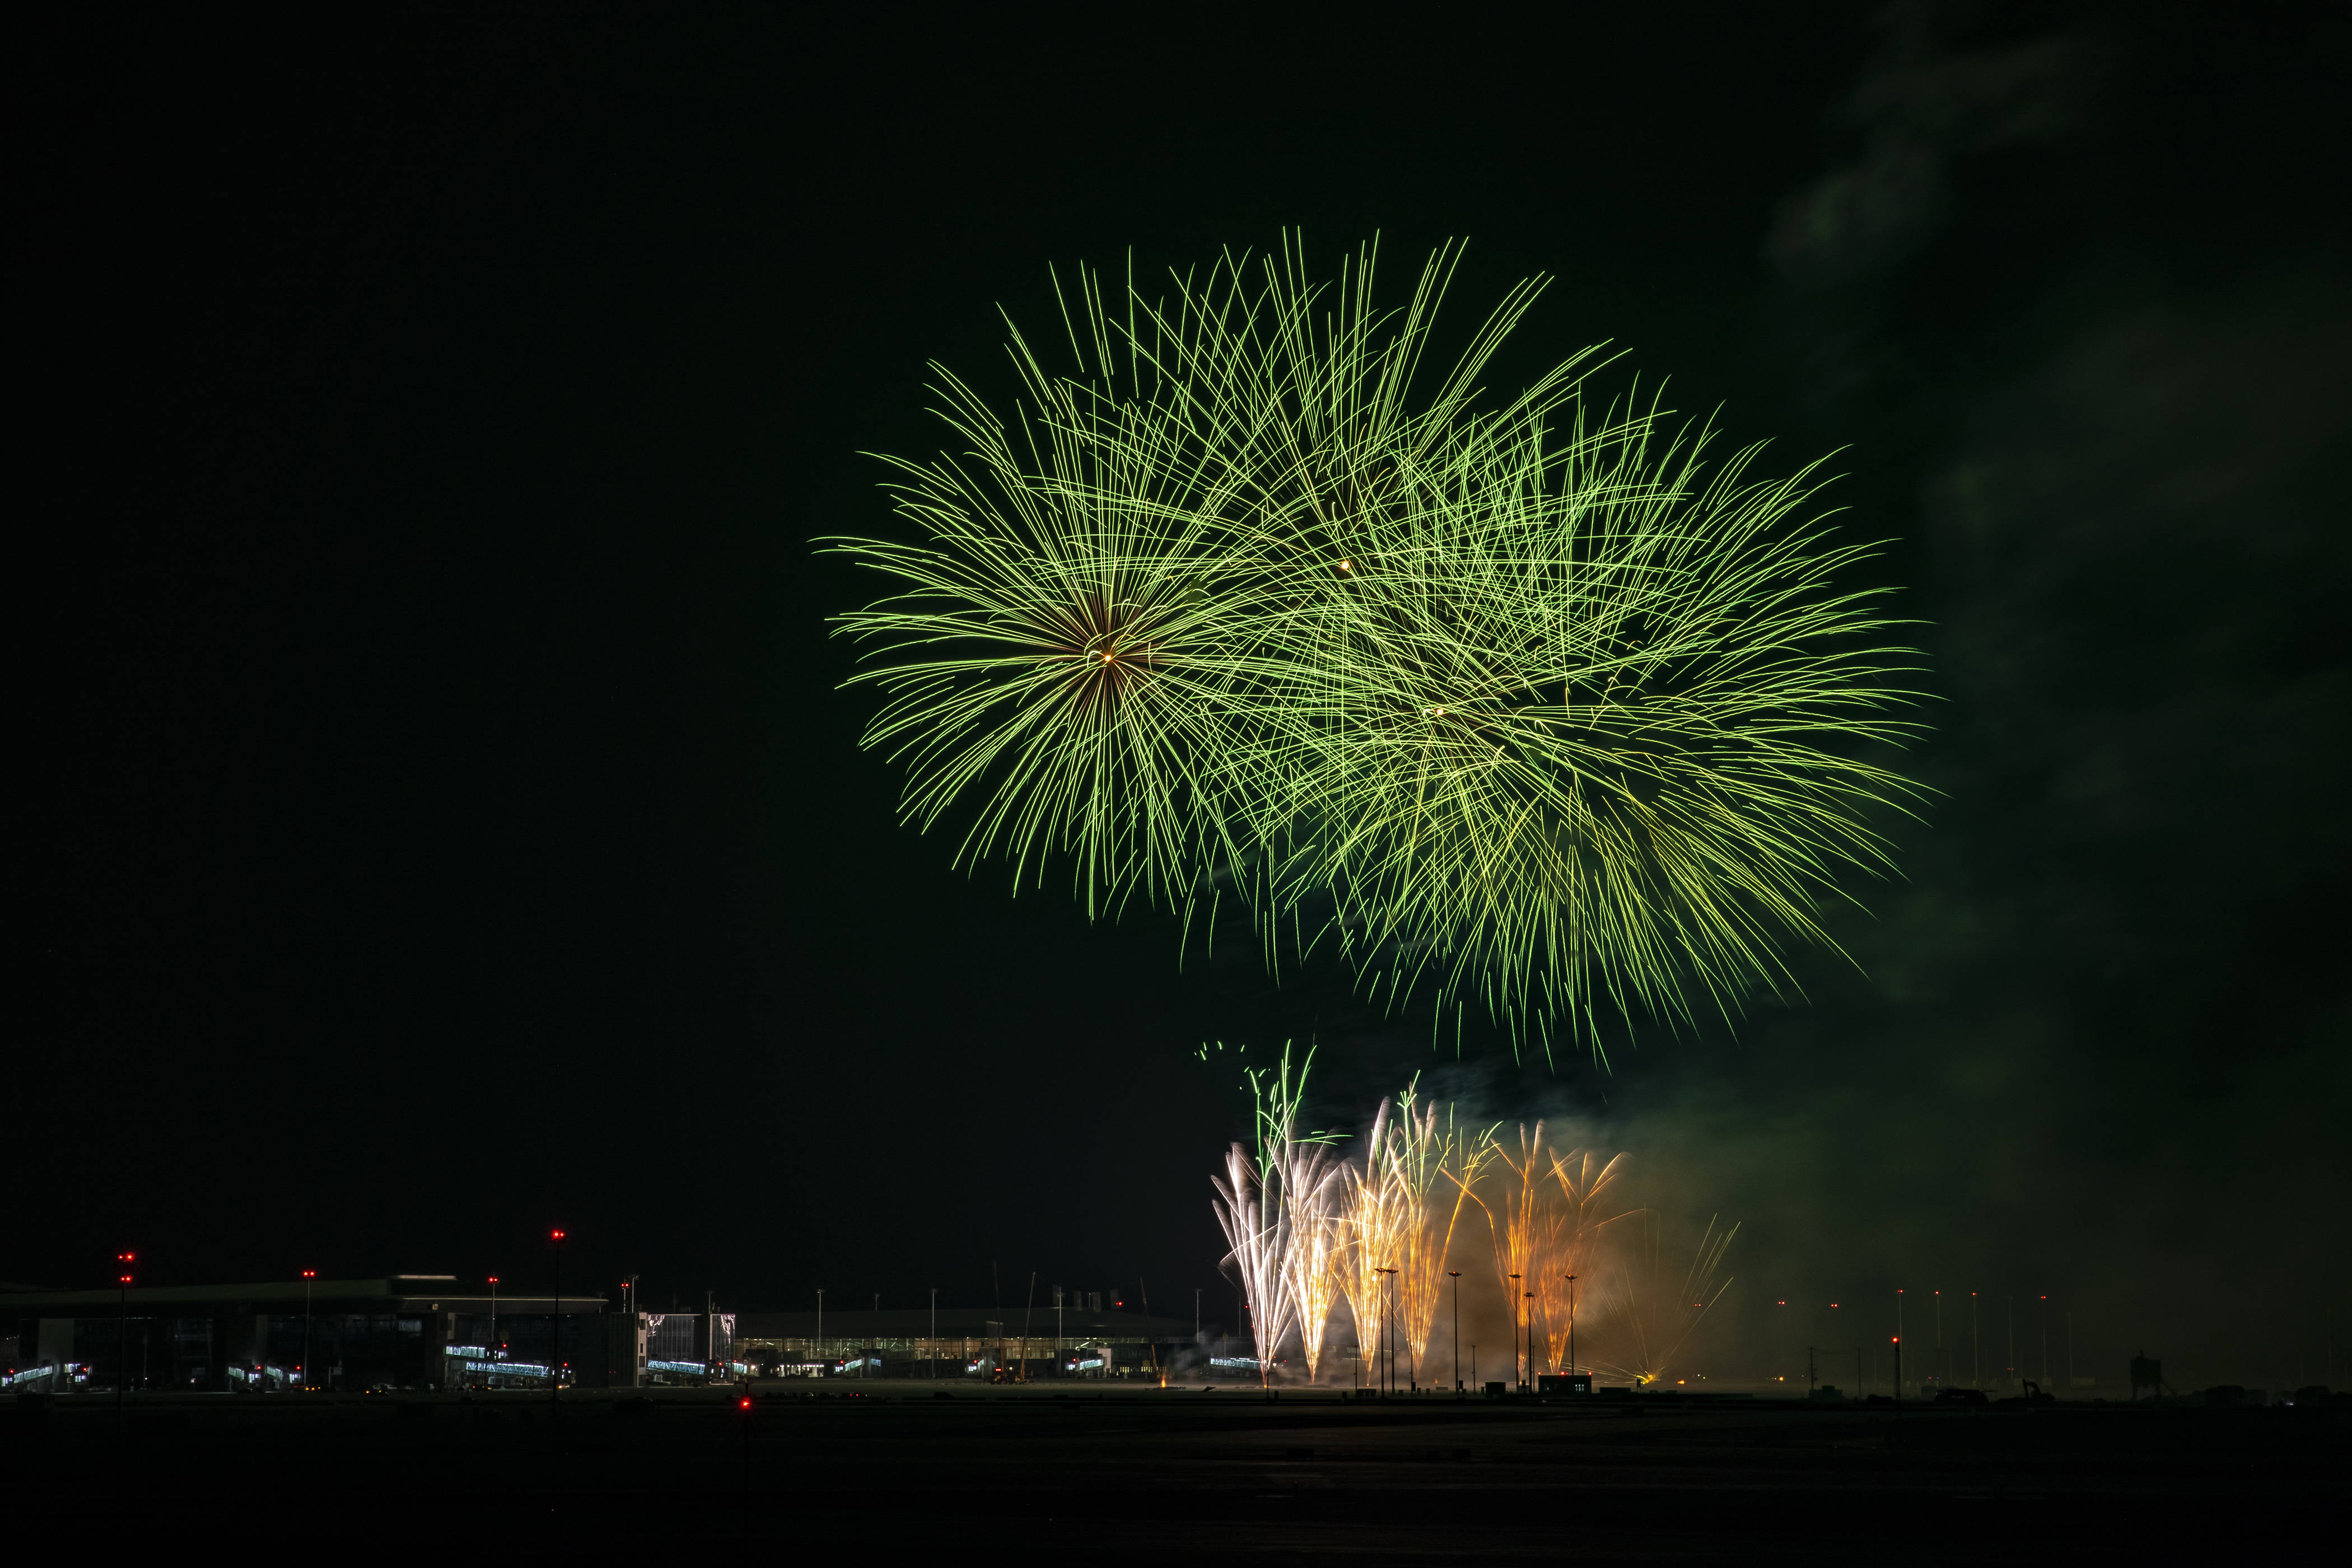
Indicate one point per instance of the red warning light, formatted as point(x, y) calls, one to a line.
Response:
point(744, 1405)
point(558, 1234)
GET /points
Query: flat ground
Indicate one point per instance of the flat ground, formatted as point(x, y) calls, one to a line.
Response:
point(1151, 1475)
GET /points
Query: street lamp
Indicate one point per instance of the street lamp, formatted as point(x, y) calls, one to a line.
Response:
point(635, 1342)
point(1455, 1274)
point(1388, 1337)
point(555, 1355)
point(1571, 1325)
point(1530, 1297)
point(121, 1332)
point(309, 1278)
point(1518, 1371)
point(1898, 1334)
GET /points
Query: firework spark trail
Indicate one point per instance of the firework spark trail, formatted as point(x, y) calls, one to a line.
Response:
point(1435, 1164)
point(1263, 1200)
point(1576, 1244)
point(1258, 1241)
point(1312, 1185)
point(1648, 1314)
point(1374, 1221)
point(1519, 706)
point(1312, 1270)
point(1518, 1223)
point(1542, 1238)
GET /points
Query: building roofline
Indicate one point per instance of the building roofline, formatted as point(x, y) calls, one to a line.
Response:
point(961, 1322)
point(413, 1292)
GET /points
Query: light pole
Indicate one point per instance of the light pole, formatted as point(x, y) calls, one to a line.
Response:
point(1387, 1324)
point(121, 1334)
point(1517, 1373)
point(1940, 1378)
point(1975, 1345)
point(935, 1334)
point(1571, 1325)
point(819, 1323)
point(309, 1278)
point(635, 1341)
point(1899, 1374)
point(1898, 1334)
point(877, 1336)
point(1455, 1274)
point(1529, 1381)
point(555, 1353)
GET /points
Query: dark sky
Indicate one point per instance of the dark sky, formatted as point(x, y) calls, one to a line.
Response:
point(440, 820)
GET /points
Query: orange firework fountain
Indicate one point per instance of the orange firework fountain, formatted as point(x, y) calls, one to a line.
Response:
point(1374, 1217)
point(1312, 1270)
point(1517, 1221)
point(1434, 1168)
point(1581, 1176)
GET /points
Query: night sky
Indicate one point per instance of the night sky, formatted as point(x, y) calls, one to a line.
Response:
point(439, 820)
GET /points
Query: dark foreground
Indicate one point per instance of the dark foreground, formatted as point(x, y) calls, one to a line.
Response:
point(1157, 1476)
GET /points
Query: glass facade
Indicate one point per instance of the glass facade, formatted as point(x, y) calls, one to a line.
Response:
point(258, 1338)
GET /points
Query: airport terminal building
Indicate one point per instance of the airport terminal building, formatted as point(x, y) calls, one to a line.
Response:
point(406, 1331)
point(1042, 1342)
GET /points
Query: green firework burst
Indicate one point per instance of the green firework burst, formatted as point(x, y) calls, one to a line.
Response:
point(1568, 745)
point(1514, 703)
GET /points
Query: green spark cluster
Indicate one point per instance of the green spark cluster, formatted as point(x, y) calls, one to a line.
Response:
point(1257, 606)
